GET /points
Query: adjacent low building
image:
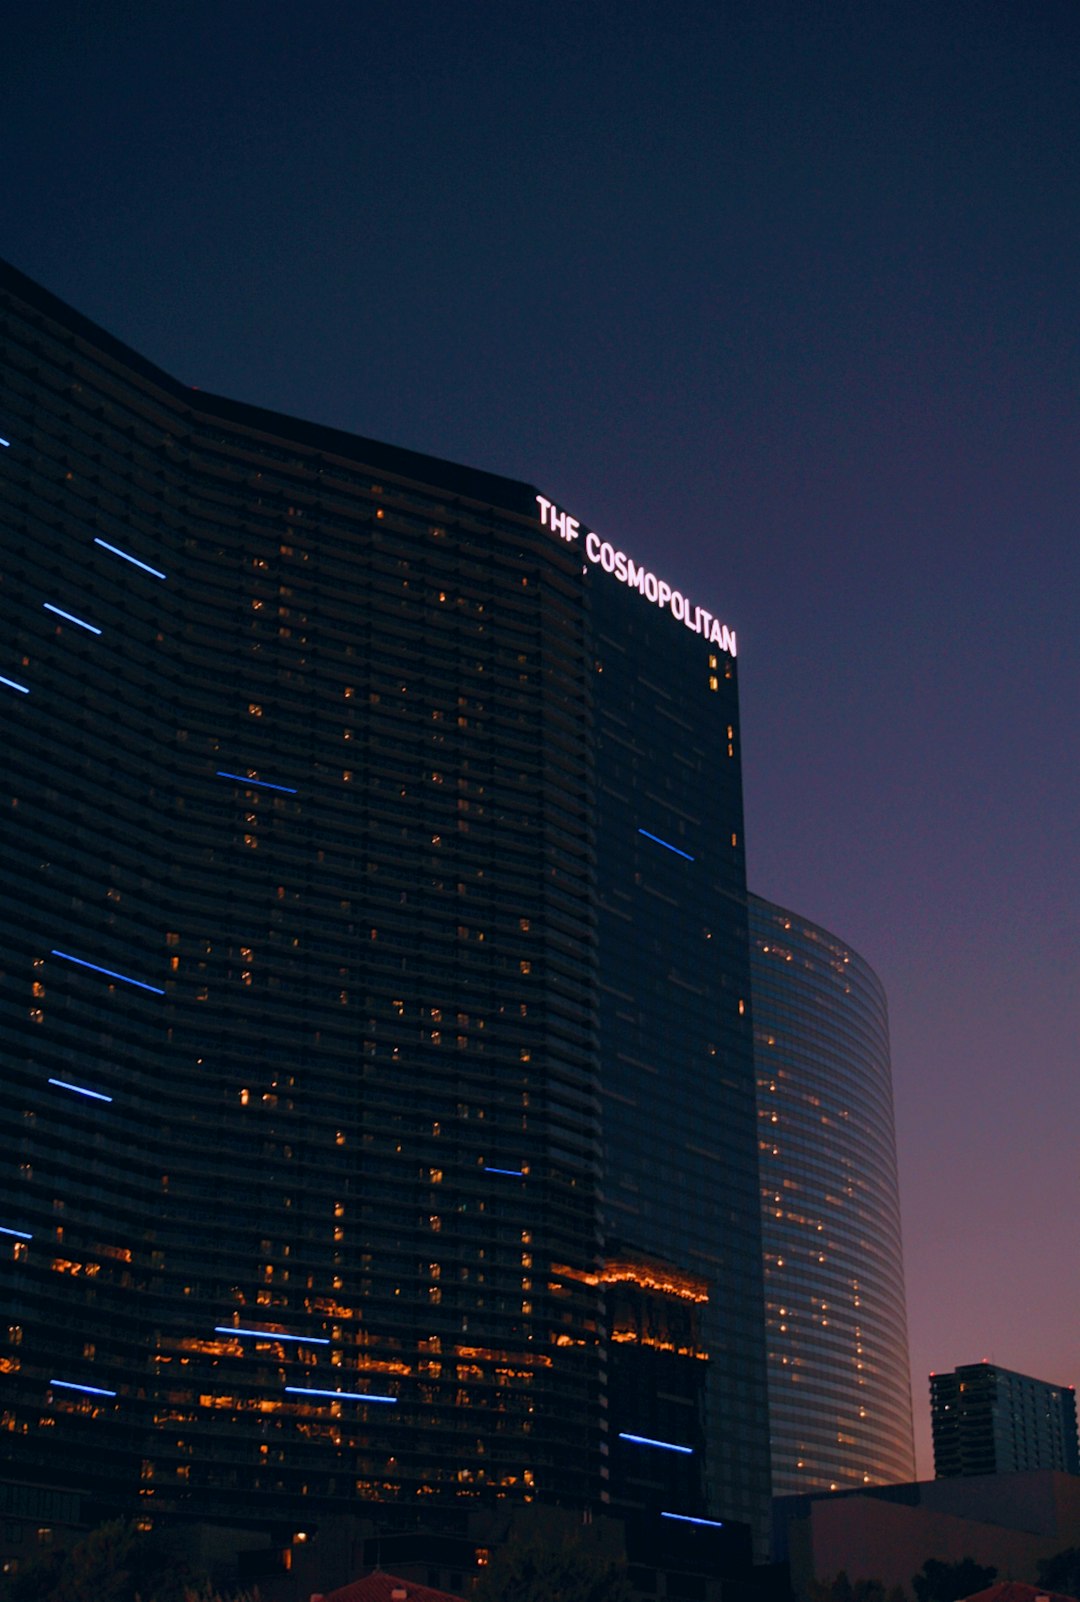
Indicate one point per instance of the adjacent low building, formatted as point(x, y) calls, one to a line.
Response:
point(1010, 1522)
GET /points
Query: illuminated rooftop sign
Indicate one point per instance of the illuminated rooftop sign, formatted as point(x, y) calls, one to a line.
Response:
point(601, 553)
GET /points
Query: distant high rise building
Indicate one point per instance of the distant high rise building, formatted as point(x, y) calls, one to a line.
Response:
point(836, 1325)
point(379, 1109)
point(990, 1420)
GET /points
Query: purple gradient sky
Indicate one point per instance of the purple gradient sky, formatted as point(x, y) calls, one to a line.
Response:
point(784, 297)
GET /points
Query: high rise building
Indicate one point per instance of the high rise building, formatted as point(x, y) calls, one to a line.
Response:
point(379, 1125)
point(836, 1326)
point(990, 1420)
point(676, 1048)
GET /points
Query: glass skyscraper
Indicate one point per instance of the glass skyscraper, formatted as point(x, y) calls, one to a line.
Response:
point(375, 995)
point(677, 1072)
point(836, 1324)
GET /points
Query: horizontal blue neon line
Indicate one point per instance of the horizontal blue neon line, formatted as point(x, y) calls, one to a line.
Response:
point(134, 560)
point(644, 1440)
point(79, 1090)
point(70, 617)
point(5, 442)
point(91, 1390)
point(108, 972)
point(338, 1396)
point(515, 1173)
point(11, 683)
point(271, 1335)
point(667, 847)
point(258, 784)
point(20, 1234)
point(684, 1518)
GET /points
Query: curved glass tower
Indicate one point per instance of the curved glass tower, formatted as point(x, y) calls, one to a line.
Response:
point(378, 1112)
point(297, 999)
point(839, 1382)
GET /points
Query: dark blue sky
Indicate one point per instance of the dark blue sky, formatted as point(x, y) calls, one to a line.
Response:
point(782, 297)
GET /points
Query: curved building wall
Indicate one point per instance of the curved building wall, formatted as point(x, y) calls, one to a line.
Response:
point(300, 1156)
point(373, 888)
point(839, 1381)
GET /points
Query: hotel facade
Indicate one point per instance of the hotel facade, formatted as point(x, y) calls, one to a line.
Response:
point(380, 1118)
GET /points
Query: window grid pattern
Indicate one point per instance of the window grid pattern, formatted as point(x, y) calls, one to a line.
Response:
point(836, 1323)
point(301, 879)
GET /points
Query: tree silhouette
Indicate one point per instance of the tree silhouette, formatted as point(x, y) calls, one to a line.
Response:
point(1061, 1572)
point(530, 1570)
point(117, 1562)
point(950, 1582)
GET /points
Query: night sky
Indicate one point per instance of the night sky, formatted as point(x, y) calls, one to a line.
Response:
point(783, 298)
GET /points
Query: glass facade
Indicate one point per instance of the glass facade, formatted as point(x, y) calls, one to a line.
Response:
point(680, 1169)
point(379, 1119)
point(300, 1183)
point(839, 1384)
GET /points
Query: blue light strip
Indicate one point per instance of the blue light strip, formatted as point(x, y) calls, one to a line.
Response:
point(271, 1335)
point(80, 1090)
point(70, 617)
point(134, 560)
point(339, 1396)
point(667, 847)
point(515, 1173)
point(12, 685)
point(91, 1390)
point(684, 1518)
point(20, 1234)
point(5, 442)
point(256, 784)
point(81, 962)
point(665, 1446)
